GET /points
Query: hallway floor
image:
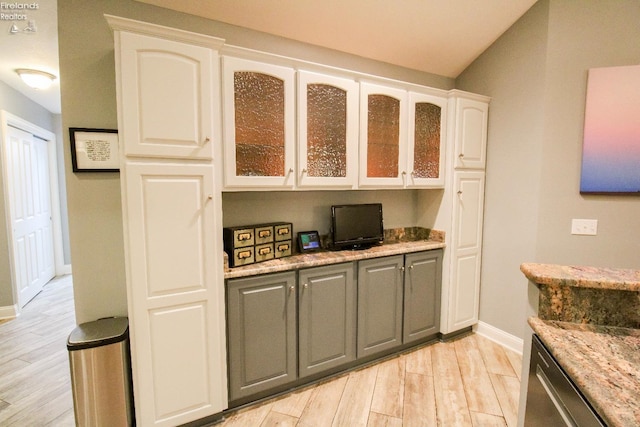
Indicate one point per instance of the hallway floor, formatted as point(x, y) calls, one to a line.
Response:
point(35, 388)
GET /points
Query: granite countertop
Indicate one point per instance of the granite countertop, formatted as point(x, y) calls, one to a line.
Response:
point(583, 277)
point(589, 319)
point(603, 361)
point(316, 259)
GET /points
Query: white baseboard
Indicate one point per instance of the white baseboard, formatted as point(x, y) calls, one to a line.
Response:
point(66, 269)
point(9, 312)
point(499, 336)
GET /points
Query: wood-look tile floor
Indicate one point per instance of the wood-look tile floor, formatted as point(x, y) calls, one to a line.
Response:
point(35, 386)
point(467, 382)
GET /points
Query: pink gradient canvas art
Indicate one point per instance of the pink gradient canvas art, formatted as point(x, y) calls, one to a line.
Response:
point(611, 149)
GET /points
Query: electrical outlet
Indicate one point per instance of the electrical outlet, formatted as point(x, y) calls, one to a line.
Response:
point(586, 227)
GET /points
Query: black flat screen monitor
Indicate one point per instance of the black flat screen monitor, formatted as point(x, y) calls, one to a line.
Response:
point(357, 226)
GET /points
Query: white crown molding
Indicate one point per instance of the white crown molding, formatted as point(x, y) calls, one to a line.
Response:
point(124, 24)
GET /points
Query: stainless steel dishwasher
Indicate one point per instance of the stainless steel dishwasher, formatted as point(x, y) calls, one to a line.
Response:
point(552, 398)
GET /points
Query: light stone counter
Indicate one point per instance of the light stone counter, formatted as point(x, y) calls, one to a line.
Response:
point(603, 361)
point(316, 259)
point(589, 319)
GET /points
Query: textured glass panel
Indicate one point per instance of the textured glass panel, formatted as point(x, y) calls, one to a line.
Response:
point(326, 131)
point(259, 114)
point(426, 160)
point(383, 136)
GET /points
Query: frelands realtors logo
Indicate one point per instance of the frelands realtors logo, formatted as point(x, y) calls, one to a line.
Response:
point(10, 11)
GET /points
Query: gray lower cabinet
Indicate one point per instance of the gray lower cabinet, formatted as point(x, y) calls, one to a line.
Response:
point(261, 316)
point(379, 304)
point(398, 300)
point(326, 318)
point(422, 288)
point(284, 327)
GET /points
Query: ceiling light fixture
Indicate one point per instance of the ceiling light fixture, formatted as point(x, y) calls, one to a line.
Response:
point(35, 78)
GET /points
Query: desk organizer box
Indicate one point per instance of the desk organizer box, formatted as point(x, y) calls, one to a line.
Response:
point(256, 243)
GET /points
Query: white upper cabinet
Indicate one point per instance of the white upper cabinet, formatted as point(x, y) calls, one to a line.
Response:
point(259, 124)
point(470, 133)
point(328, 131)
point(383, 136)
point(427, 136)
point(166, 95)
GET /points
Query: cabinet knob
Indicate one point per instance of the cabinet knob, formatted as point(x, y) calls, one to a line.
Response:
point(401, 269)
point(292, 288)
point(411, 267)
point(306, 286)
point(459, 192)
point(304, 171)
point(210, 197)
point(404, 173)
point(207, 139)
point(461, 155)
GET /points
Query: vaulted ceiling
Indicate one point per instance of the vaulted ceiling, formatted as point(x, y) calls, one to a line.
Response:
point(437, 36)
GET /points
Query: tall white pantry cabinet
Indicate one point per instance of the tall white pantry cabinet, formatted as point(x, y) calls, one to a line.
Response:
point(168, 122)
point(462, 210)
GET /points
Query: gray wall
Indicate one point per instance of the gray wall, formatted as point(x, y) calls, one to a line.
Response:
point(536, 75)
point(311, 210)
point(19, 105)
point(89, 100)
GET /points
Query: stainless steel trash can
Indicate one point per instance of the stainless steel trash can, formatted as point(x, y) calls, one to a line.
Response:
point(101, 373)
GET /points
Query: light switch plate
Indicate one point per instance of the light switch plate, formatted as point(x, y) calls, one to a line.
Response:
point(586, 227)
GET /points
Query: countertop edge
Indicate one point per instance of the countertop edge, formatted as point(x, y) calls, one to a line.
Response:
point(582, 276)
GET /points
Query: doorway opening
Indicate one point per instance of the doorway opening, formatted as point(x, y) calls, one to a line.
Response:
point(32, 208)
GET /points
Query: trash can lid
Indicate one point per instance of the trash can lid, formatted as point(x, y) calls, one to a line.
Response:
point(98, 333)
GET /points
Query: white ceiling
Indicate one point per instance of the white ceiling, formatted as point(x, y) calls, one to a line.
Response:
point(437, 36)
point(37, 50)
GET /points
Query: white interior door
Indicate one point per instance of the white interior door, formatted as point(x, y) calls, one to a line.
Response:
point(31, 217)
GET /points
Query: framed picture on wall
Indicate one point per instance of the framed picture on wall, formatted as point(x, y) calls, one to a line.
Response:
point(94, 150)
point(611, 147)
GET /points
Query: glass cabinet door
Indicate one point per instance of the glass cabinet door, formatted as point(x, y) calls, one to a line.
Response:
point(383, 136)
point(259, 108)
point(328, 129)
point(427, 115)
